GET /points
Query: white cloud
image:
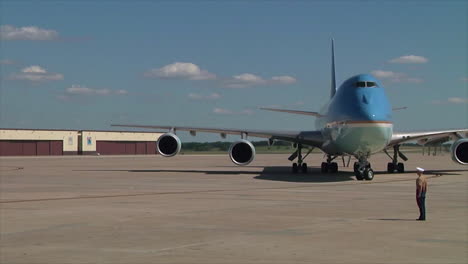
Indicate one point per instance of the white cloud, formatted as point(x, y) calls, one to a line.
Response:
point(34, 69)
point(451, 100)
point(248, 79)
point(284, 79)
point(457, 100)
point(121, 92)
point(103, 91)
point(82, 90)
point(180, 70)
point(8, 32)
point(213, 96)
point(6, 62)
point(223, 111)
point(397, 77)
point(384, 74)
point(191, 71)
point(76, 89)
point(245, 80)
point(36, 73)
point(407, 59)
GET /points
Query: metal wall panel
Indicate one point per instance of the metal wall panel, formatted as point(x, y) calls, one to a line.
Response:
point(140, 148)
point(105, 147)
point(151, 148)
point(43, 148)
point(125, 147)
point(29, 148)
point(130, 148)
point(110, 148)
point(56, 147)
point(10, 148)
point(120, 146)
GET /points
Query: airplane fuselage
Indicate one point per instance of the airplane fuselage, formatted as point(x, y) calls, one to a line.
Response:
point(358, 118)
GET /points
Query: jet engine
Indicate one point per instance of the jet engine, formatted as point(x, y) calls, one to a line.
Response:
point(460, 151)
point(168, 145)
point(242, 152)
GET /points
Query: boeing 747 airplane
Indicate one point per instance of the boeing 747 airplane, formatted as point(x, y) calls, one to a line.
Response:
point(357, 121)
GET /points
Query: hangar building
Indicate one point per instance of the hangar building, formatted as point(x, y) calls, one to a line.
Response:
point(32, 142)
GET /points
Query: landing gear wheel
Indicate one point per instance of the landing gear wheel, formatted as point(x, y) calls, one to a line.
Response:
point(333, 167)
point(390, 167)
point(401, 167)
point(295, 168)
point(368, 174)
point(356, 168)
point(359, 176)
point(304, 167)
point(324, 167)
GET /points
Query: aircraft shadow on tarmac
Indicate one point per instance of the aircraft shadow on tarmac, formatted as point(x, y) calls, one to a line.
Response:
point(281, 173)
point(183, 171)
point(315, 175)
point(271, 173)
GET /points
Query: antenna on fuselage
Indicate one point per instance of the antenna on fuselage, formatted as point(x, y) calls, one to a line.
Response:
point(333, 78)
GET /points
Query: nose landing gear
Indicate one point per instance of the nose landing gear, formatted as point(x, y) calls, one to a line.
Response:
point(363, 170)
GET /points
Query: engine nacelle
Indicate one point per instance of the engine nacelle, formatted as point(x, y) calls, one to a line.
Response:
point(168, 145)
point(242, 152)
point(460, 151)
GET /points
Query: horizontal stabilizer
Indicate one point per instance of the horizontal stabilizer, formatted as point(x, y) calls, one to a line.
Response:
point(293, 111)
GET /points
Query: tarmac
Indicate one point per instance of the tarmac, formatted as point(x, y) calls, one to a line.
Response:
point(204, 209)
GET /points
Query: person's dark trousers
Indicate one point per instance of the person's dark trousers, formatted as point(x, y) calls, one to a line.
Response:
point(422, 207)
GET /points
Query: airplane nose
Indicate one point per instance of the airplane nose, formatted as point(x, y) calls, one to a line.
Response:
point(367, 108)
point(372, 105)
point(364, 99)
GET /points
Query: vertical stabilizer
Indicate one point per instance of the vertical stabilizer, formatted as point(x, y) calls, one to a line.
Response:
point(333, 79)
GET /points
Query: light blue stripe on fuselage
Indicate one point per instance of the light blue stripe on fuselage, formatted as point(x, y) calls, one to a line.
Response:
point(357, 120)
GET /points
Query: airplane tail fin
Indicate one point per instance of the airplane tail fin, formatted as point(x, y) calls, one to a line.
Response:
point(333, 78)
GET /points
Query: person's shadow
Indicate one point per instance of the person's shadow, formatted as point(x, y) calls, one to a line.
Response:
point(392, 219)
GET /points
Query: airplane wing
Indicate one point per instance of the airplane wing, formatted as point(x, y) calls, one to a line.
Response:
point(297, 112)
point(428, 137)
point(310, 138)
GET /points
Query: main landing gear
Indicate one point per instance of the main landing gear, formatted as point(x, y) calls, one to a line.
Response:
point(363, 170)
point(395, 165)
point(329, 166)
point(300, 165)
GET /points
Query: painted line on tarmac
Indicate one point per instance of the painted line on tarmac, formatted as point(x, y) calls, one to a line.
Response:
point(202, 191)
point(10, 168)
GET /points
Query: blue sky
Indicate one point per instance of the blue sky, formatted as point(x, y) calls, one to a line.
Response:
point(85, 65)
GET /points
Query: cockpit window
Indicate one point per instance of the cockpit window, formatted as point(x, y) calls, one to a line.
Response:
point(361, 84)
point(366, 84)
